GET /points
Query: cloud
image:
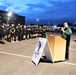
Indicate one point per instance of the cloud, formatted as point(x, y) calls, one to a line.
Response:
point(35, 9)
point(39, 5)
point(60, 8)
point(21, 4)
point(4, 4)
point(42, 9)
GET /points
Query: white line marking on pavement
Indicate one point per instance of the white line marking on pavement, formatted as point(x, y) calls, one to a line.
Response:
point(15, 55)
point(31, 57)
point(71, 49)
point(28, 44)
point(69, 63)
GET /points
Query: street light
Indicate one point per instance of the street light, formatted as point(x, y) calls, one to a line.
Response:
point(8, 18)
point(37, 20)
point(48, 23)
point(9, 15)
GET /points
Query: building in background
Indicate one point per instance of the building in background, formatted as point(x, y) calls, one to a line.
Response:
point(9, 18)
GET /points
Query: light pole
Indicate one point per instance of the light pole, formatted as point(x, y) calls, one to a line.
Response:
point(8, 16)
point(48, 23)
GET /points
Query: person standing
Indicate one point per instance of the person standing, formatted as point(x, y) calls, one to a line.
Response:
point(3, 33)
point(24, 32)
point(20, 32)
point(28, 31)
point(0, 32)
point(40, 31)
point(66, 34)
point(32, 31)
point(17, 33)
point(12, 31)
point(8, 32)
point(44, 31)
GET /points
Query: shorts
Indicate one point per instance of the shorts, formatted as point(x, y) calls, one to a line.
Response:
point(17, 33)
point(12, 34)
point(0, 36)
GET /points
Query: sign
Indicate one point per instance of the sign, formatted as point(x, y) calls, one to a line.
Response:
point(47, 52)
point(38, 50)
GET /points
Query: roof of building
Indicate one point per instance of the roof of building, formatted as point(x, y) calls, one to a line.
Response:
point(12, 13)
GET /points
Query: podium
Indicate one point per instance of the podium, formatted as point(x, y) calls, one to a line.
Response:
point(57, 46)
point(54, 48)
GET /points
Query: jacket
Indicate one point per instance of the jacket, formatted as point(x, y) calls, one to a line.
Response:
point(68, 32)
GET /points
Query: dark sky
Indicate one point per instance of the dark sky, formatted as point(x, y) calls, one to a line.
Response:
point(47, 11)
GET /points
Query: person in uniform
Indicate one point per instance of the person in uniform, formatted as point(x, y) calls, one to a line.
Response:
point(17, 33)
point(20, 32)
point(44, 31)
point(36, 31)
point(40, 31)
point(8, 32)
point(24, 32)
point(12, 32)
point(0, 32)
point(32, 31)
point(66, 34)
point(3, 32)
point(28, 32)
point(1, 35)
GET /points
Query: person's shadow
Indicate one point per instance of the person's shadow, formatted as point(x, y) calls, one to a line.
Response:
point(45, 60)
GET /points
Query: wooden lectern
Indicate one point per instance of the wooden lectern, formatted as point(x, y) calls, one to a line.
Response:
point(57, 47)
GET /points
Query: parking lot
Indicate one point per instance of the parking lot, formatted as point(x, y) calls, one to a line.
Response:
point(15, 59)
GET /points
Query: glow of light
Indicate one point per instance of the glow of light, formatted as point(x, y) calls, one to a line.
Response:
point(9, 14)
point(37, 19)
point(48, 22)
point(8, 18)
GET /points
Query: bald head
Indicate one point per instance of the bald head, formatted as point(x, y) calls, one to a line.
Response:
point(66, 25)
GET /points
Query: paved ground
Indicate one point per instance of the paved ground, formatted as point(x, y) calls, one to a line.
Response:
point(15, 59)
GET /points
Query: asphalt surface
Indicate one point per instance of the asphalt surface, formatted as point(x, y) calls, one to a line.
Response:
point(15, 59)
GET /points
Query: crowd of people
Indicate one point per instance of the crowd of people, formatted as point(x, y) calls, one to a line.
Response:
point(15, 33)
